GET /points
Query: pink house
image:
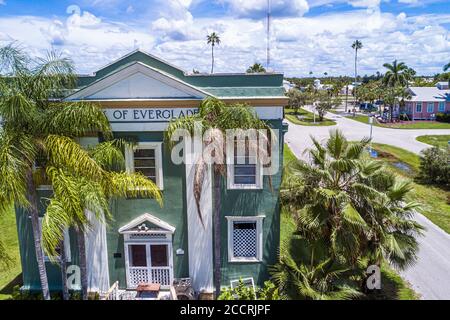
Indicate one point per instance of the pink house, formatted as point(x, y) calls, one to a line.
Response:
point(426, 102)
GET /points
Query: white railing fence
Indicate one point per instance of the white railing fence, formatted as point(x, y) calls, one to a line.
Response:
point(139, 275)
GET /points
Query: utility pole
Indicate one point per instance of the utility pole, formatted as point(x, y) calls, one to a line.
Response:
point(269, 13)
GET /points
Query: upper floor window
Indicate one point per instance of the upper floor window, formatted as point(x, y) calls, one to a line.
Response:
point(419, 107)
point(430, 107)
point(58, 249)
point(244, 171)
point(441, 107)
point(146, 158)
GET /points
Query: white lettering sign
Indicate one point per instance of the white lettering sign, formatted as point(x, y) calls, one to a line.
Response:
point(148, 114)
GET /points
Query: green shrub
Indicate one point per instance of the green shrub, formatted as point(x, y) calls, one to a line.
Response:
point(435, 166)
point(241, 292)
point(443, 117)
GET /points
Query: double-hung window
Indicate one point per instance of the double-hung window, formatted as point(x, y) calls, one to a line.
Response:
point(245, 238)
point(244, 171)
point(441, 107)
point(430, 107)
point(146, 158)
point(419, 107)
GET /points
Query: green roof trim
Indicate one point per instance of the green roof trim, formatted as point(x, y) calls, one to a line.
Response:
point(219, 85)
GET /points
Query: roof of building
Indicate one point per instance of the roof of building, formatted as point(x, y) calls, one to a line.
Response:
point(230, 85)
point(429, 94)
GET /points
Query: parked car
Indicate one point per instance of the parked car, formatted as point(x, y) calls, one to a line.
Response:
point(368, 107)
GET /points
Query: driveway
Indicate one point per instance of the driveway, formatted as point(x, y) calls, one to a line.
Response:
point(430, 276)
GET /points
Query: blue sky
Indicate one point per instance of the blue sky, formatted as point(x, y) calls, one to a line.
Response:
point(307, 35)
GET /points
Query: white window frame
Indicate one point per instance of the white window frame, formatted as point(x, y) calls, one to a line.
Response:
point(259, 238)
point(259, 178)
point(66, 245)
point(441, 103)
point(419, 104)
point(157, 146)
point(430, 105)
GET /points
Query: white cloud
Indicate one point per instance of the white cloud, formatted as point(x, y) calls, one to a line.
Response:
point(250, 8)
point(2, 2)
point(300, 43)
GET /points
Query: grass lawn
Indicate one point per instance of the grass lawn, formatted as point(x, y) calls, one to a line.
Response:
point(438, 141)
point(393, 286)
point(435, 200)
point(8, 235)
point(403, 125)
point(307, 118)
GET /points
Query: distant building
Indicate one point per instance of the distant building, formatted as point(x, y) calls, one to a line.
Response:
point(319, 86)
point(288, 85)
point(426, 102)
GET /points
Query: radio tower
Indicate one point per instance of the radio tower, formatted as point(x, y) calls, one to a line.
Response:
point(269, 11)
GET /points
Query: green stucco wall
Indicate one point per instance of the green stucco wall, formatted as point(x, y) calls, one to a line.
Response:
point(172, 212)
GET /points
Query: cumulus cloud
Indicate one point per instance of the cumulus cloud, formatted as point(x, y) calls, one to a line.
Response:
point(257, 8)
point(320, 43)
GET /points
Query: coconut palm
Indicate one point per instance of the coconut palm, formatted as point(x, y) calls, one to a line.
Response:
point(215, 117)
point(256, 68)
point(39, 143)
point(352, 204)
point(357, 45)
point(213, 39)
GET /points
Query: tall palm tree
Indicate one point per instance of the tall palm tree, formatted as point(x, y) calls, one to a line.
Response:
point(36, 125)
point(352, 204)
point(357, 45)
point(213, 39)
point(256, 68)
point(216, 117)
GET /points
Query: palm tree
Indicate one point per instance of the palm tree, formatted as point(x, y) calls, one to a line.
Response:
point(357, 45)
point(216, 117)
point(213, 39)
point(398, 74)
point(352, 204)
point(447, 67)
point(38, 142)
point(256, 68)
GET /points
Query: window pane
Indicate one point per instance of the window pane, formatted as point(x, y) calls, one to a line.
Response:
point(248, 180)
point(244, 239)
point(144, 163)
point(245, 170)
point(148, 172)
point(138, 256)
point(159, 256)
point(144, 153)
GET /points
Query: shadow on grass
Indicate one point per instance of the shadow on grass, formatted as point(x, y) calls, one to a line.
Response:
point(9, 288)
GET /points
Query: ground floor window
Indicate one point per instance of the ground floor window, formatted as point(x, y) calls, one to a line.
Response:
point(245, 238)
point(430, 107)
point(419, 107)
point(441, 106)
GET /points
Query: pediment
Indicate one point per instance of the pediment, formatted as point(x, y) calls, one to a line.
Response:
point(147, 223)
point(138, 81)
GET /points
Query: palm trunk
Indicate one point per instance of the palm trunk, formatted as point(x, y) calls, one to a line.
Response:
point(217, 232)
point(63, 265)
point(356, 76)
point(34, 215)
point(212, 59)
point(83, 264)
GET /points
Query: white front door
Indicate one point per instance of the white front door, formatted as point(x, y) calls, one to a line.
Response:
point(149, 262)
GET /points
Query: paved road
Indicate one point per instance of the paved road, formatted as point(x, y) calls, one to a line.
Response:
point(298, 136)
point(430, 276)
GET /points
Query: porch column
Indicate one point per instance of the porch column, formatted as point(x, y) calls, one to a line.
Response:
point(200, 240)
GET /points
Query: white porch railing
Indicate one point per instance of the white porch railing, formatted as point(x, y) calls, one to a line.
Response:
point(139, 275)
point(112, 293)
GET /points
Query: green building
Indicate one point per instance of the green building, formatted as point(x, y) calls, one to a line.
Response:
point(146, 243)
